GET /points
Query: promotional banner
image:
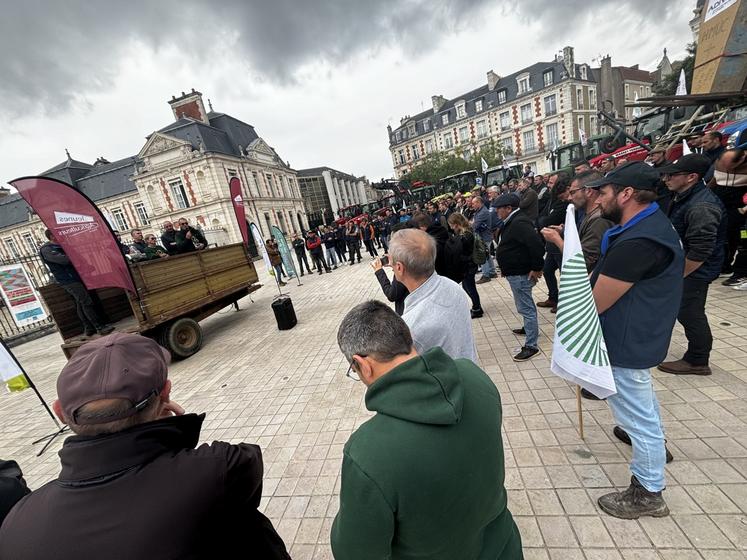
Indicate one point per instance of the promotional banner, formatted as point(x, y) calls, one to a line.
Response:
point(578, 351)
point(260, 243)
point(81, 229)
point(285, 253)
point(237, 200)
point(19, 295)
point(10, 371)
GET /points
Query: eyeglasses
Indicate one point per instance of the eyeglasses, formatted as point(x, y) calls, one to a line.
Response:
point(571, 191)
point(351, 373)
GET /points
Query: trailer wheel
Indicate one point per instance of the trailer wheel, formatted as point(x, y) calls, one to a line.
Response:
point(182, 338)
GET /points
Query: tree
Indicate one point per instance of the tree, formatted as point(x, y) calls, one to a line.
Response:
point(668, 84)
point(437, 165)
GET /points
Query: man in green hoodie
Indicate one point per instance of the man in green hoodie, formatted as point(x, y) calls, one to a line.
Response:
point(424, 477)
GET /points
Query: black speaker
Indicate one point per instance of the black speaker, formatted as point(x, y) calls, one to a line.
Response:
point(285, 315)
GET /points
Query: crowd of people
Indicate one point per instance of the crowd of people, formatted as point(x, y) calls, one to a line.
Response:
point(654, 236)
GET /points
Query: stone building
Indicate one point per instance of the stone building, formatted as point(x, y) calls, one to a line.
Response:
point(619, 85)
point(528, 113)
point(183, 170)
point(325, 191)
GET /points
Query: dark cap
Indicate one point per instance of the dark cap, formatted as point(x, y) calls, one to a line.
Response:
point(507, 199)
point(634, 174)
point(118, 366)
point(689, 163)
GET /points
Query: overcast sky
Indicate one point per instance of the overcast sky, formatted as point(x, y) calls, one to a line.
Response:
point(320, 80)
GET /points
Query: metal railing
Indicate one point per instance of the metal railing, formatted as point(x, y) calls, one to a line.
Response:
point(39, 276)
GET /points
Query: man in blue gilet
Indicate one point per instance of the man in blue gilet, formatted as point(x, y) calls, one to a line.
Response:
point(637, 285)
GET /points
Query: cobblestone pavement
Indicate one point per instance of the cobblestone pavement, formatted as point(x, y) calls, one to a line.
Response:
point(287, 391)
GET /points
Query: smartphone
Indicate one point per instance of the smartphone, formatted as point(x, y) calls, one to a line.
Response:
point(384, 260)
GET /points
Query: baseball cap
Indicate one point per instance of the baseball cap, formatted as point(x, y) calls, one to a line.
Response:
point(118, 366)
point(634, 174)
point(689, 163)
point(507, 199)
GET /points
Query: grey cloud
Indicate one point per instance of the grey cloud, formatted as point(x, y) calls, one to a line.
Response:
point(54, 53)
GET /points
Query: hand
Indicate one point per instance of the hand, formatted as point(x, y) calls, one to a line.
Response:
point(171, 408)
point(535, 275)
point(551, 235)
point(188, 235)
point(376, 264)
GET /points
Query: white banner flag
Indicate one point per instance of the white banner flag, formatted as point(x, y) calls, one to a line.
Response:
point(682, 85)
point(636, 110)
point(685, 148)
point(484, 165)
point(578, 351)
point(261, 247)
point(582, 136)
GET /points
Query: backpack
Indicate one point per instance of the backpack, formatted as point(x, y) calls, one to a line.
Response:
point(479, 251)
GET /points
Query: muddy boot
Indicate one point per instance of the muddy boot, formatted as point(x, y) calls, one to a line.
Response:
point(634, 502)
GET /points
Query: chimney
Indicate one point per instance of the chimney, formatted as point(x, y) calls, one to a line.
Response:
point(606, 92)
point(569, 62)
point(189, 105)
point(4, 192)
point(438, 102)
point(493, 80)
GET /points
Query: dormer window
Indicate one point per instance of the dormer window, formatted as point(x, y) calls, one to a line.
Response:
point(461, 111)
point(445, 118)
point(523, 83)
point(426, 125)
point(501, 96)
point(411, 130)
point(478, 105)
point(547, 78)
point(583, 72)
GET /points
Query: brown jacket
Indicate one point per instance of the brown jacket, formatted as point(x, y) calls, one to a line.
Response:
point(146, 492)
point(590, 234)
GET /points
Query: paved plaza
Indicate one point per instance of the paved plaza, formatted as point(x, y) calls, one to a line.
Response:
point(287, 392)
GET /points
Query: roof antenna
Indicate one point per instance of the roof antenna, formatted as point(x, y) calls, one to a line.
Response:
point(210, 104)
point(68, 154)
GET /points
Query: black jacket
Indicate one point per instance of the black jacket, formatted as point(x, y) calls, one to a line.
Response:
point(520, 248)
point(58, 263)
point(168, 240)
point(299, 246)
point(12, 487)
point(146, 492)
point(441, 235)
point(184, 245)
point(458, 256)
point(395, 291)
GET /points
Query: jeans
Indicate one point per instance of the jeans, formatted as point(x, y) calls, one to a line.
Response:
point(278, 272)
point(468, 284)
point(370, 247)
point(354, 248)
point(521, 287)
point(693, 318)
point(84, 306)
point(301, 261)
point(636, 411)
point(332, 256)
point(319, 261)
point(552, 263)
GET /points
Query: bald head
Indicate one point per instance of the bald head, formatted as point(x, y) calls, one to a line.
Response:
point(414, 251)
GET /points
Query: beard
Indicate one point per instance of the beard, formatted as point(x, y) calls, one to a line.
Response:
point(613, 213)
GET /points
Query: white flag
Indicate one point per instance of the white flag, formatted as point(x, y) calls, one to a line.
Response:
point(582, 136)
point(262, 248)
point(636, 110)
point(578, 351)
point(484, 165)
point(685, 148)
point(682, 85)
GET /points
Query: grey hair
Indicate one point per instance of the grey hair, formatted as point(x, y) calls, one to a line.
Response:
point(494, 188)
point(416, 250)
point(373, 329)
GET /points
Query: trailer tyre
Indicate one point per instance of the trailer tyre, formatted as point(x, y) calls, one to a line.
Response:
point(183, 337)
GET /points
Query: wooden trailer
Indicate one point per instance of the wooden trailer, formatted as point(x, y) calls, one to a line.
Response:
point(173, 295)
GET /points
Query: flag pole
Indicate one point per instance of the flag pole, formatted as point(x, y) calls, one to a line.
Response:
point(580, 412)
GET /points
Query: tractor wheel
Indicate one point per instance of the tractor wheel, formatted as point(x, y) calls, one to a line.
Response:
point(182, 338)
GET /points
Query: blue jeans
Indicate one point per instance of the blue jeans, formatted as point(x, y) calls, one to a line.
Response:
point(553, 262)
point(332, 256)
point(521, 286)
point(636, 411)
point(488, 267)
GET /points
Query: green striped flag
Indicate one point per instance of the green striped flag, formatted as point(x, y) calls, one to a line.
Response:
point(579, 353)
point(10, 371)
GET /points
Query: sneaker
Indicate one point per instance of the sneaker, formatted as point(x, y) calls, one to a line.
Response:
point(476, 313)
point(741, 287)
point(105, 329)
point(554, 309)
point(526, 353)
point(681, 367)
point(519, 331)
point(302, 273)
point(328, 271)
point(547, 303)
point(734, 280)
point(483, 280)
point(334, 267)
point(726, 272)
point(281, 283)
point(634, 502)
point(623, 436)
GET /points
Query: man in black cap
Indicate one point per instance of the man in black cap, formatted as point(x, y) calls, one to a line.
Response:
point(519, 254)
point(637, 287)
point(700, 220)
point(134, 483)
